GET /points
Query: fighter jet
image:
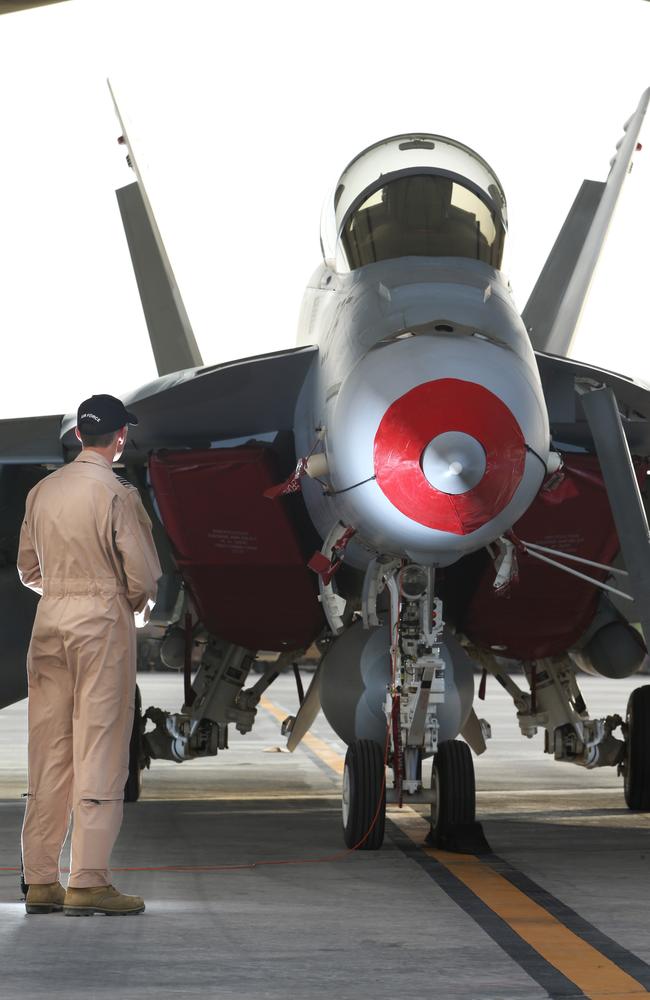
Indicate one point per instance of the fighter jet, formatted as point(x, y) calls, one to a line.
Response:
point(425, 488)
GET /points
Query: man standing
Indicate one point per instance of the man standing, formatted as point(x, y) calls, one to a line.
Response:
point(86, 547)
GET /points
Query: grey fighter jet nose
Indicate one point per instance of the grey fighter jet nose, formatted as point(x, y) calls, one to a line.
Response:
point(444, 423)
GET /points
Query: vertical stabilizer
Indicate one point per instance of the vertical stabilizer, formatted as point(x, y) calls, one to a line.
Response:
point(554, 308)
point(550, 288)
point(172, 338)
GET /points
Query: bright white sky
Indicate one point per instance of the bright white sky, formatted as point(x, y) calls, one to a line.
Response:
point(243, 116)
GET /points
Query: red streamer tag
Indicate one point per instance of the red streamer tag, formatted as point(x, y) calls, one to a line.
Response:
point(290, 485)
point(319, 563)
point(326, 568)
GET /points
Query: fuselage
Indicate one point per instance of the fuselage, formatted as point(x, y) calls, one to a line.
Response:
point(426, 397)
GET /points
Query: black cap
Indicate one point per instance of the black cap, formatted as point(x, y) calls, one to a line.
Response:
point(103, 414)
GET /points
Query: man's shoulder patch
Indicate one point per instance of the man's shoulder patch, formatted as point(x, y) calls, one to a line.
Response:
point(125, 482)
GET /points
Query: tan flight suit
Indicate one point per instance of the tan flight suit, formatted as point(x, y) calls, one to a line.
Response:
point(86, 546)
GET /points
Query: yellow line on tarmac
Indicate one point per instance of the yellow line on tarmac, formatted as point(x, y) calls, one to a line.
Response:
point(592, 972)
point(596, 975)
point(320, 747)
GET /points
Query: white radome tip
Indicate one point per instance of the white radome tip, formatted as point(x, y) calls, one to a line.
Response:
point(453, 462)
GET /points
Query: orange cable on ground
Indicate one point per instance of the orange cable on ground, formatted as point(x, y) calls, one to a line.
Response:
point(250, 866)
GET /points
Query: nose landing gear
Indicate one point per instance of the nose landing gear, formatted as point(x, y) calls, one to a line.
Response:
point(414, 697)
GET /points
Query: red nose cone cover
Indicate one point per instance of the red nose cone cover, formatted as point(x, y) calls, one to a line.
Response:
point(433, 408)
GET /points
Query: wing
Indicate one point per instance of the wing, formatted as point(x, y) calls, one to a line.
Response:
point(31, 440)
point(198, 407)
point(565, 383)
point(194, 408)
point(552, 312)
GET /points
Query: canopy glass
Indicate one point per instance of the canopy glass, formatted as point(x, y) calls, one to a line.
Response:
point(421, 195)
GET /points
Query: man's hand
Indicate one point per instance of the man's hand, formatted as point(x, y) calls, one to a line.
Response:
point(142, 617)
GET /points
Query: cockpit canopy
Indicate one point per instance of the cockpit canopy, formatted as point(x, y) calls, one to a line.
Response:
point(414, 195)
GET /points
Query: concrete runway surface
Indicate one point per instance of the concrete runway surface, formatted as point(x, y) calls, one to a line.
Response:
point(560, 909)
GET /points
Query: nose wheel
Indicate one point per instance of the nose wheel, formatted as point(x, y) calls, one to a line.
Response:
point(453, 809)
point(364, 796)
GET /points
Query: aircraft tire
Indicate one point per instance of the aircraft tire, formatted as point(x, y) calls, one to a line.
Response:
point(637, 763)
point(364, 796)
point(454, 805)
point(133, 786)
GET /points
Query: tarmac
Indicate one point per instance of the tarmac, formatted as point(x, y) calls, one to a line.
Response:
point(268, 904)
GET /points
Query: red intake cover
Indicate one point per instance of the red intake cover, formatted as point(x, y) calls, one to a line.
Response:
point(430, 409)
point(546, 611)
point(239, 553)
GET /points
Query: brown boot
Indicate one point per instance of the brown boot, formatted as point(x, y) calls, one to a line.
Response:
point(100, 899)
point(45, 898)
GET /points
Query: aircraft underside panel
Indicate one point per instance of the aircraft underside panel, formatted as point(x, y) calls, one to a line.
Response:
point(241, 555)
point(545, 611)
